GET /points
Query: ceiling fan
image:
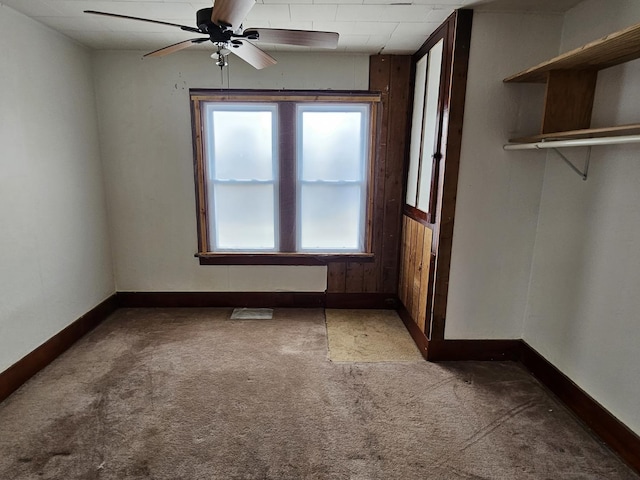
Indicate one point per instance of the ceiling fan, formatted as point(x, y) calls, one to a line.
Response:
point(222, 25)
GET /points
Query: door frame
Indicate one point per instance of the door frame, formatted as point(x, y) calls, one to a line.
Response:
point(456, 32)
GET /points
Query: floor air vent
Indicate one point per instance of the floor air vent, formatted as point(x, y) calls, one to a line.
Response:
point(252, 314)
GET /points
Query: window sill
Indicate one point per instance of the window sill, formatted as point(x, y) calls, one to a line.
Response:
point(281, 258)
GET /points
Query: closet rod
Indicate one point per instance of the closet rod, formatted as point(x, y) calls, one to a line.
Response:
point(576, 142)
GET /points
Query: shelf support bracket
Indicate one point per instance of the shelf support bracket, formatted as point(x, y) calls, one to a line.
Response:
point(585, 171)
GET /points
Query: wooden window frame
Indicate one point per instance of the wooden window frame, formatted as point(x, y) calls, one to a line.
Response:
point(287, 196)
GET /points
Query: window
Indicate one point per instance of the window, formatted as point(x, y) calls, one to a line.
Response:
point(426, 129)
point(240, 154)
point(283, 177)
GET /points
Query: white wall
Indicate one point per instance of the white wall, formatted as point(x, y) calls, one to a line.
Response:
point(498, 191)
point(584, 300)
point(55, 260)
point(539, 254)
point(145, 131)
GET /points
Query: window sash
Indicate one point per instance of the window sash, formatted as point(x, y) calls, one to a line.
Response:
point(426, 130)
point(216, 228)
point(215, 225)
point(360, 182)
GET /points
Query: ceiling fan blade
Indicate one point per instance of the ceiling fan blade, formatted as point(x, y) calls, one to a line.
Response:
point(252, 55)
point(230, 13)
point(304, 38)
point(175, 47)
point(127, 17)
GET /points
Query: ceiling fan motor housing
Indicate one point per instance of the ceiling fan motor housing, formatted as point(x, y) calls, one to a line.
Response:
point(203, 19)
point(218, 34)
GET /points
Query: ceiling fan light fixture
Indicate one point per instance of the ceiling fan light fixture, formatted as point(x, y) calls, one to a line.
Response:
point(221, 60)
point(220, 56)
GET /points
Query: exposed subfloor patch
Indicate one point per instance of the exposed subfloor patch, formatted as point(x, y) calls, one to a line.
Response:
point(369, 336)
point(252, 314)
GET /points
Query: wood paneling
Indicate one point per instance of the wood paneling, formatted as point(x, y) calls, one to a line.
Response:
point(379, 73)
point(354, 277)
point(425, 275)
point(362, 300)
point(399, 101)
point(336, 277)
point(569, 100)
point(415, 263)
point(389, 75)
point(12, 378)
point(416, 279)
point(402, 281)
point(369, 280)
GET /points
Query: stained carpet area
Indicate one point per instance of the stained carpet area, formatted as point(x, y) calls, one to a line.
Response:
point(369, 336)
point(190, 394)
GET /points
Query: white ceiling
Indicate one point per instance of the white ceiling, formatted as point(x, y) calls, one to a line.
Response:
point(367, 26)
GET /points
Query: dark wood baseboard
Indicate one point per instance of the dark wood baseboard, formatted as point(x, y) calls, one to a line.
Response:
point(420, 339)
point(21, 371)
point(221, 299)
point(443, 350)
point(611, 430)
point(458, 350)
point(256, 299)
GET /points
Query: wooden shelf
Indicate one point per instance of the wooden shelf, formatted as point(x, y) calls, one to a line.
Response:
point(571, 85)
point(614, 49)
point(621, 130)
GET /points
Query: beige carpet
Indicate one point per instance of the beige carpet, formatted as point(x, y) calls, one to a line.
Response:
point(369, 336)
point(188, 394)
